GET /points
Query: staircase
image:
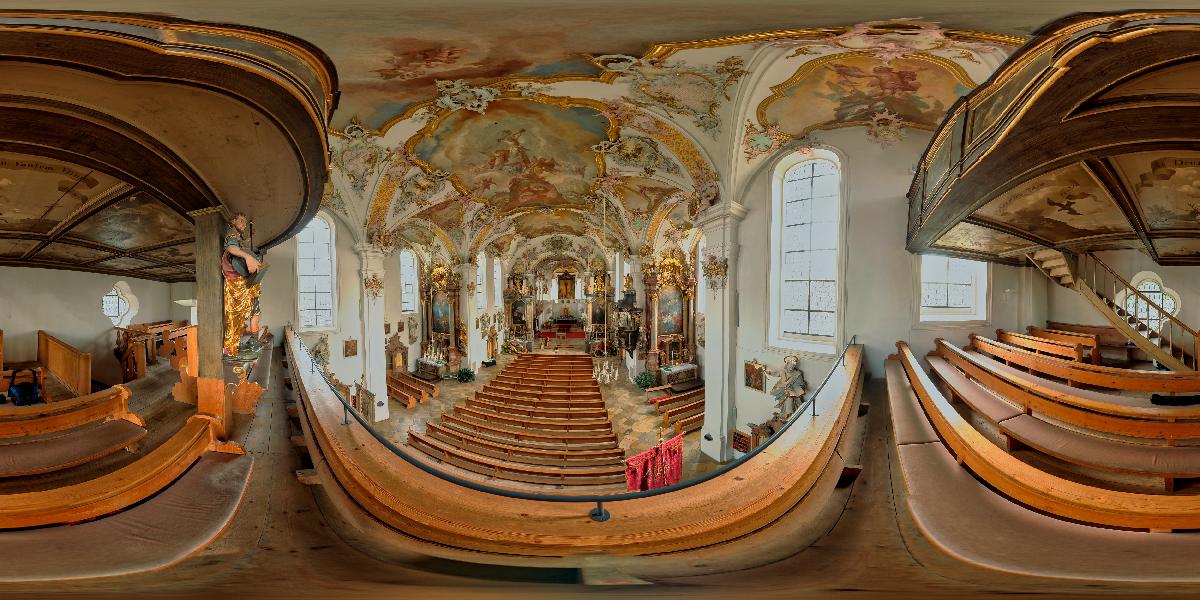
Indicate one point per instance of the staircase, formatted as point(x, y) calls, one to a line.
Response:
point(1151, 328)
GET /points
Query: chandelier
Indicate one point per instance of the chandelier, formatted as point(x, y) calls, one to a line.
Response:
point(605, 372)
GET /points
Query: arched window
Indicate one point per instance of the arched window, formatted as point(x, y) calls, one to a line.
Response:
point(1151, 287)
point(480, 266)
point(701, 284)
point(408, 281)
point(805, 242)
point(497, 284)
point(315, 274)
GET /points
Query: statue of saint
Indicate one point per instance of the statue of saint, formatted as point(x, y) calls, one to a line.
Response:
point(320, 352)
point(243, 269)
point(790, 389)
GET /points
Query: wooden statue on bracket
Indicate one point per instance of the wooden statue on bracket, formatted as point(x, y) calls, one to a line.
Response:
point(243, 269)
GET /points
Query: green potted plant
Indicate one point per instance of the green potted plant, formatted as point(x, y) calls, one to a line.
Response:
point(645, 379)
point(466, 375)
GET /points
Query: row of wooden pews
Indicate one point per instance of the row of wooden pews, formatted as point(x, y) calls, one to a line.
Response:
point(409, 390)
point(1084, 419)
point(540, 421)
point(683, 411)
point(141, 345)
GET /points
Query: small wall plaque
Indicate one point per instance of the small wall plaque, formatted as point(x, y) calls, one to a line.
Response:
point(741, 441)
point(755, 375)
point(350, 347)
point(387, 329)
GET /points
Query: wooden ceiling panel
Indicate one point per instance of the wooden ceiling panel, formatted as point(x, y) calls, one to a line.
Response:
point(37, 193)
point(969, 237)
point(68, 254)
point(134, 222)
point(1166, 186)
point(15, 248)
point(1063, 205)
point(183, 253)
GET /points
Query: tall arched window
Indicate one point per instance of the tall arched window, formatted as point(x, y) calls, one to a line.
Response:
point(480, 266)
point(701, 284)
point(497, 284)
point(408, 281)
point(805, 242)
point(315, 274)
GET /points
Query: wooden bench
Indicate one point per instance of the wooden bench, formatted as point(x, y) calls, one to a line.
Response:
point(524, 439)
point(548, 395)
point(593, 440)
point(6, 379)
point(538, 387)
point(516, 471)
point(398, 394)
point(1019, 429)
point(550, 384)
point(690, 424)
point(1089, 341)
point(38, 419)
point(683, 411)
point(72, 367)
point(54, 452)
point(520, 400)
point(1037, 488)
point(114, 491)
point(1120, 349)
point(524, 454)
point(535, 423)
point(1075, 352)
point(566, 376)
point(529, 411)
point(429, 388)
point(1114, 378)
point(1099, 411)
point(663, 403)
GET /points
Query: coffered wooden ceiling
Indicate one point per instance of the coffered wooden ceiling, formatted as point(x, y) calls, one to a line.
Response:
point(57, 214)
point(1086, 139)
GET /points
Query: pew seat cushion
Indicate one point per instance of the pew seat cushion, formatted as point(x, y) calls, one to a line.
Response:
point(981, 400)
point(1102, 453)
point(63, 450)
point(908, 420)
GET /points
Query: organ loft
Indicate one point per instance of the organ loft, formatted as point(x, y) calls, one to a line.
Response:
point(546, 299)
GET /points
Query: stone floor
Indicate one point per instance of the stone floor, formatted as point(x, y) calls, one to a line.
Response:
point(637, 425)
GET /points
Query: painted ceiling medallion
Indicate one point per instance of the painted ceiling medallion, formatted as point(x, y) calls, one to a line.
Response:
point(761, 140)
point(897, 38)
point(457, 94)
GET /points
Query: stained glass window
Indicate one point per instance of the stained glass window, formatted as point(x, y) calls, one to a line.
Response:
point(113, 305)
point(1152, 289)
point(315, 274)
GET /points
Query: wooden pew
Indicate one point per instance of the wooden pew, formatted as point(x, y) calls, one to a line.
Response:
point(35, 455)
point(1, 349)
point(683, 411)
point(1109, 413)
point(1075, 352)
point(401, 382)
point(516, 471)
point(23, 421)
point(114, 491)
point(524, 454)
point(430, 389)
point(531, 439)
point(689, 424)
point(1037, 488)
point(1109, 338)
point(1089, 341)
point(1114, 378)
point(1167, 463)
point(519, 400)
point(553, 384)
point(546, 413)
point(663, 403)
point(547, 395)
point(72, 367)
point(399, 394)
point(602, 426)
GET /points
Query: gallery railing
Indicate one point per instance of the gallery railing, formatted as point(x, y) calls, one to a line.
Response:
point(599, 513)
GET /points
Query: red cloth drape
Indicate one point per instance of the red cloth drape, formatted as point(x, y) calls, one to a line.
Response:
point(637, 470)
point(670, 455)
point(657, 467)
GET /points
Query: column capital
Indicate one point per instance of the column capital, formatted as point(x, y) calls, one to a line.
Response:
point(726, 213)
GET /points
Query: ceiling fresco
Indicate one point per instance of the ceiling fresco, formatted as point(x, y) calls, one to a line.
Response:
point(37, 193)
point(1177, 247)
point(1063, 205)
point(520, 154)
point(859, 88)
point(1167, 186)
point(971, 238)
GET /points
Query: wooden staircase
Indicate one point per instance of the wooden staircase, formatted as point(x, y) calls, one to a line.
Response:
point(1158, 333)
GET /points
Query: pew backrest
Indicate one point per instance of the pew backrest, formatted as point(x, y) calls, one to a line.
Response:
point(1039, 345)
point(1105, 335)
point(71, 366)
point(1089, 341)
point(38, 376)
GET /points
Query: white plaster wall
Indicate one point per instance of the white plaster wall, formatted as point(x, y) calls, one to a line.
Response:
point(278, 301)
point(880, 297)
point(66, 304)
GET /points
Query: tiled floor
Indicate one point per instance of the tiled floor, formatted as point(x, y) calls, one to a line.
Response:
point(637, 425)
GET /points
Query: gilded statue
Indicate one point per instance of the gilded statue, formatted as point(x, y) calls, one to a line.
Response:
point(243, 268)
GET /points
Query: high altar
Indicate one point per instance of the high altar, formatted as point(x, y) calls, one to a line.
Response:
point(670, 289)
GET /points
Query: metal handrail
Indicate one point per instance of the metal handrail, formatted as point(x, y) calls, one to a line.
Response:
point(599, 513)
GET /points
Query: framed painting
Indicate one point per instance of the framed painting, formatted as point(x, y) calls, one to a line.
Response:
point(755, 375)
point(441, 313)
point(350, 347)
point(670, 311)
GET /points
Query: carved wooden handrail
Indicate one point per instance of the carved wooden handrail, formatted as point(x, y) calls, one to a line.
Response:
point(21, 421)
